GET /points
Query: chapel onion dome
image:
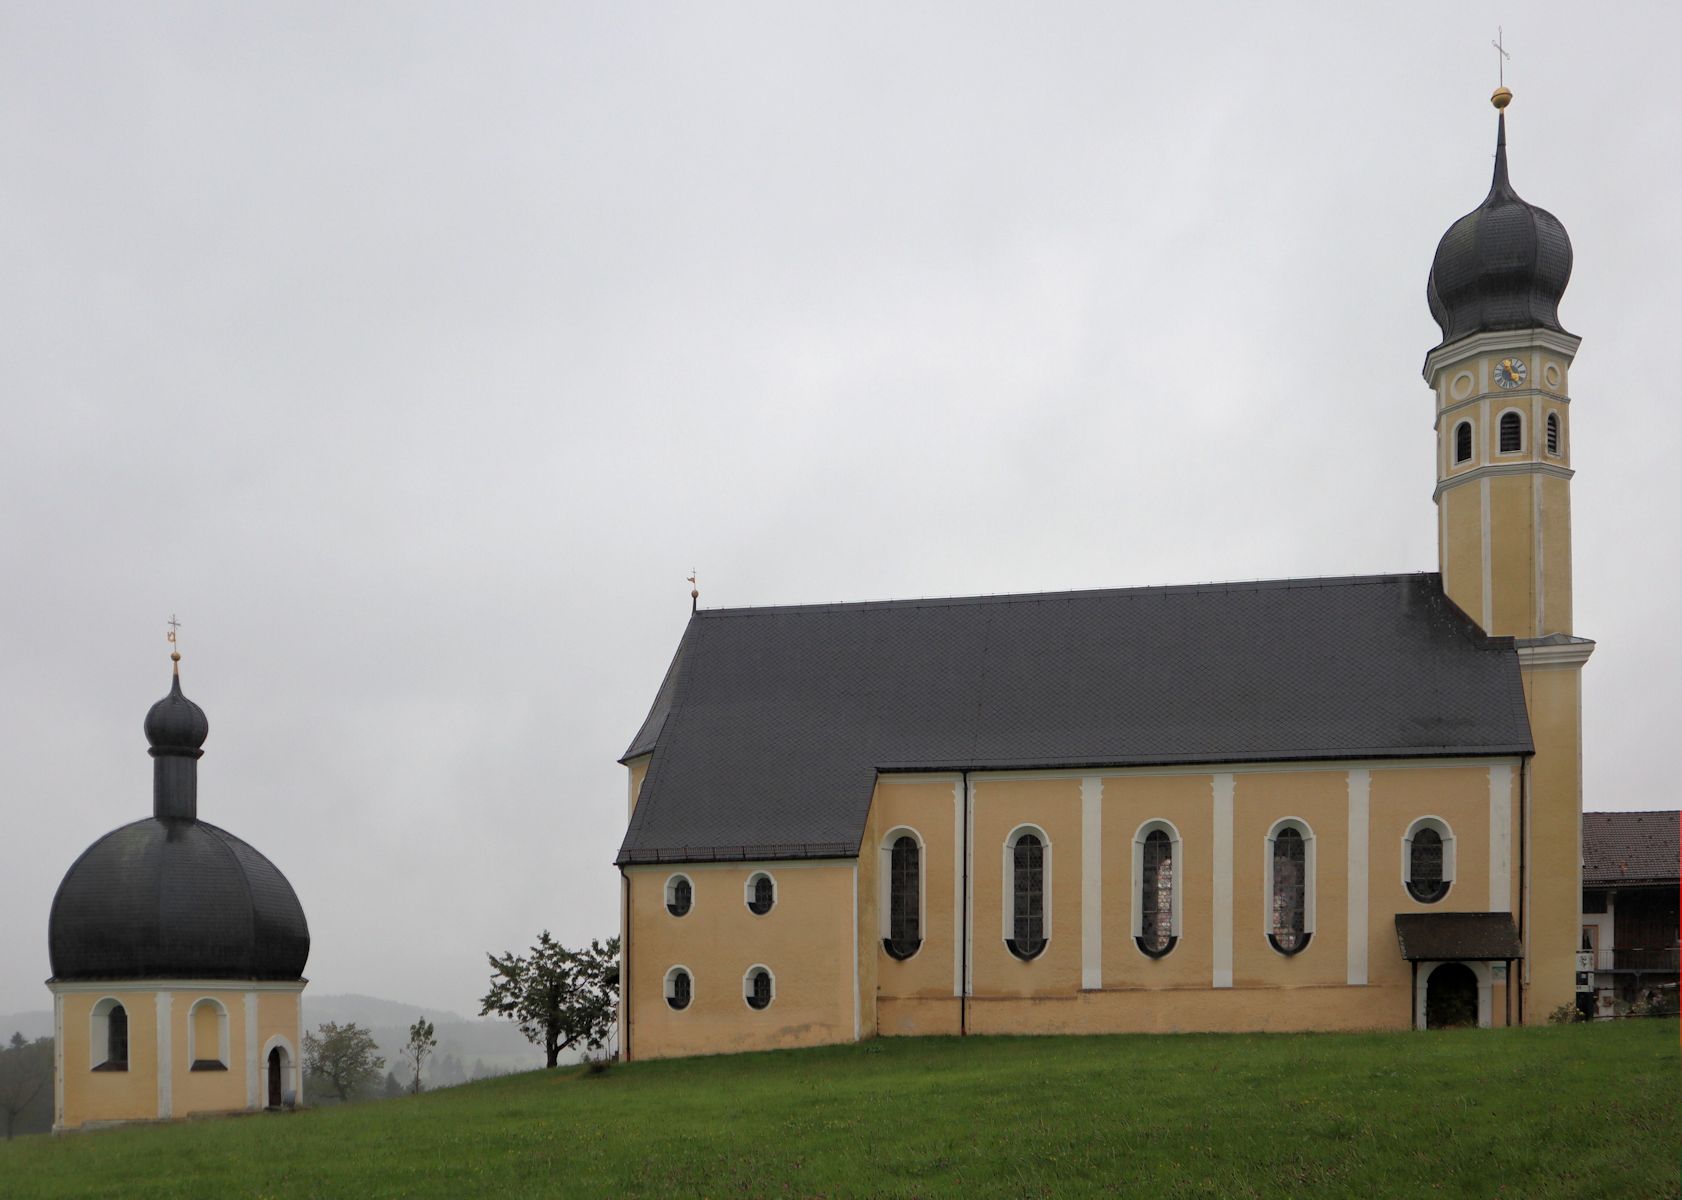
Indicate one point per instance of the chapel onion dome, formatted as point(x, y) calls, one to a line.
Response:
point(1504, 265)
point(173, 897)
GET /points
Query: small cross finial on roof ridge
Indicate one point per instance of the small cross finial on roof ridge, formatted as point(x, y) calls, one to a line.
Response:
point(174, 651)
point(694, 590)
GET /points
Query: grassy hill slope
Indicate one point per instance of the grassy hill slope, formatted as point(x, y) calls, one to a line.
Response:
point(1568, 1111)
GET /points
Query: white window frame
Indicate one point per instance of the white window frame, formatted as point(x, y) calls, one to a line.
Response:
point(99, 1031)
point(747, 893)
point(1310, 877)
point(1519, 413)
point(221, 1055)
point(1138, 883)
point(884, 888)
point(1007, 929)
point(1443, 831)
point(747, 987)
point(671, 888)
point(668, 989)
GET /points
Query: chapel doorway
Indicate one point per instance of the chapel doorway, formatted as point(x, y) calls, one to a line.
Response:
point(277, 1070)
point(1451, 997)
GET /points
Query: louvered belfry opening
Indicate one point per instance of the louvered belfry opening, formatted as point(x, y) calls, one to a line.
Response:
point(1463, 442)
point(1553, 433)
point(1512, 433)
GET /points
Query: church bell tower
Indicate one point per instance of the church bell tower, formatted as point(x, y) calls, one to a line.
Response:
point(1502, 381)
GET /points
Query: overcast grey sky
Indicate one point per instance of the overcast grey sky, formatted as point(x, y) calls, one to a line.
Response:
point(413, 354)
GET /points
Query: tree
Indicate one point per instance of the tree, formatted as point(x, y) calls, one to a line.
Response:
point(561, 998)
point(343, 1057)
point(420, 1044)
point(25, 1069)
point(392, 1087)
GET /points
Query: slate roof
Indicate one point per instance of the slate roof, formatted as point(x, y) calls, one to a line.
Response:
point(771, 724)
point(163, 898)
point(1631, 847)
point(1504, 265)
point(1479, 936)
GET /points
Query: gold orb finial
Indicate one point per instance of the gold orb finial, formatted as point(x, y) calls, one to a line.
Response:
point(174, 654)
point(1503, 96)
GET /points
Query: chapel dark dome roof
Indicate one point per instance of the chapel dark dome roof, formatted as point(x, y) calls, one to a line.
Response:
point(176, 899)
point(1504, 265)
point(175, 725)
point(171, 897)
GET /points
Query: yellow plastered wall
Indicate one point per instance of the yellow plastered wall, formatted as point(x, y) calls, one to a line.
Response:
point(917, 995)
point(1555, 520)
point(208, 1090)
point(1462, 552)
point(99, 1096)
point(1184, 802)
point(1320, 799)
point(1000, 807)
point(806, 940)
point(1554, 798)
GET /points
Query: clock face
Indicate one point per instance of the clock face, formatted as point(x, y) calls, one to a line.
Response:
point(1510, 373)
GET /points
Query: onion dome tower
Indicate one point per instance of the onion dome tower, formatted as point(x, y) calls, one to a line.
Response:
point(178, 954)
point(1501, 375)
point(1501, 383)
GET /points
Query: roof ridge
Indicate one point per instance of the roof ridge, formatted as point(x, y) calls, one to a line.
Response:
point(1171, 589)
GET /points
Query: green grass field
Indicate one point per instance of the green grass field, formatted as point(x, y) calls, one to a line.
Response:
point(1588, 1111)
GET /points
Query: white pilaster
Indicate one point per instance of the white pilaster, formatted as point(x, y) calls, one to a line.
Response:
point(1501, 839)
point(162, 1002)
point(958, 887)
point(1091, 882)
point(253, 1071)
point(58, 1062)
point(1222, 883)
point(858, 1016)
point(1488, 573)
point(1358, 886)
point(298, 1055)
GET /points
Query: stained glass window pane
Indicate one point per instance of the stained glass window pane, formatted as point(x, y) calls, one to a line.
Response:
point(1290, 859)
point(904, 932)
point(1156, 898)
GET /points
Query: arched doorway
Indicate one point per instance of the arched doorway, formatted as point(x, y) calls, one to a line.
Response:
point(277, 1075)
point(1451, 997)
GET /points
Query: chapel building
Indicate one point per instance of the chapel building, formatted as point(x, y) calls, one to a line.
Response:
point(178, 954)
point(1302, 804)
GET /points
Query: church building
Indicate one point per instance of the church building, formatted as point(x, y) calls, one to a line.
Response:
point(1301, 804)
point(178, 956)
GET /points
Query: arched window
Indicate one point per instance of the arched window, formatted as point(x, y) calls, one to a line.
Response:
point(207, 1036)
point(1156, 889)
point(1290, 886)
point(1027, 874)
point(680, 895)
point(1463, 442)
point(108, 1036)
point(680, 987)
point(758, 987)
point(1512, 432)
point(1428, 859)
point(761, 893)
point(904, 933)
point(1553, 433)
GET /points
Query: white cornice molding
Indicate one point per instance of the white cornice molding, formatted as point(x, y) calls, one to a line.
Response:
point(1556, 654)
point(66, 987)
point(1493, 470)
point(1484, 343)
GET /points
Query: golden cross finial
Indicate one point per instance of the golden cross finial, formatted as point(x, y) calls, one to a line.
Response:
point(1500, 62)
point(174, 653)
